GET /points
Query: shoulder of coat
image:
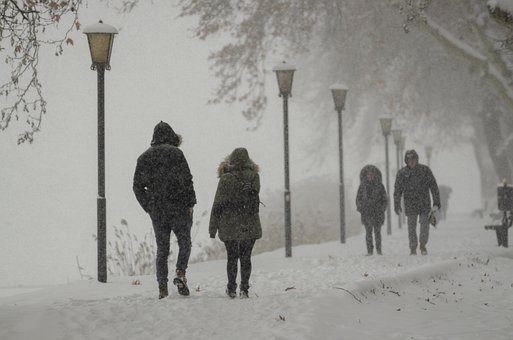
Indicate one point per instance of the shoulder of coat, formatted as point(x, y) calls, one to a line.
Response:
point(424, 167)
point(145, 154)
point(402, 171)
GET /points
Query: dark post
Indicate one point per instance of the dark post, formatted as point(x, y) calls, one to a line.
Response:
point(288, 228)
point(341, 186)
point(389, 215)
point(285, 75)
point(101, 200)
point(398, 152)
point(100, 37)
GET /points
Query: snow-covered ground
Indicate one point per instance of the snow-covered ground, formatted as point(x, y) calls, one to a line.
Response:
point(462, 290)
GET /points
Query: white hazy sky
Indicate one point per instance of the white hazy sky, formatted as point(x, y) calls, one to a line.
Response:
point(49, 188)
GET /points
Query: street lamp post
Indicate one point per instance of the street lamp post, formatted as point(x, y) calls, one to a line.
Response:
point(285, 75)
point(429, 152)
point(397, 140)
point(339, 92)
point(401, 148)
point(100, 37)
point(386, 126)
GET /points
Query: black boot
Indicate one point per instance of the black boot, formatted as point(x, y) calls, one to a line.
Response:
point(231, 291)
point(423, 249)
point(181, 283)
point(163, 292)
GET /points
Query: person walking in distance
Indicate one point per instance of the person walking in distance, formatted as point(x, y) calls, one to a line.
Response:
point(235, 218)
point(164, 188)
point(372, 202)
point(415, 181)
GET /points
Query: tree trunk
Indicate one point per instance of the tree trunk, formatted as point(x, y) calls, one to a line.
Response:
point(494, 139)
point(489, 178)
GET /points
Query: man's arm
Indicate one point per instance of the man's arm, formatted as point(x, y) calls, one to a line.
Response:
point(189, 195)
point(140, 185)
point(398, 191)
point(359, 199)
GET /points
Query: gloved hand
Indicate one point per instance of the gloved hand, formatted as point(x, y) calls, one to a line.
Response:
point(212, 235)
point(436, 206)
point(398, 210)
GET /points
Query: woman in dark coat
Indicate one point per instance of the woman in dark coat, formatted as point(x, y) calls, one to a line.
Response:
point(371, 202)
point(235, 215)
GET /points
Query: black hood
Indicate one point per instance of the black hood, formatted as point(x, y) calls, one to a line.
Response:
point(410, 154)
point(366, 169)
point(164, 134)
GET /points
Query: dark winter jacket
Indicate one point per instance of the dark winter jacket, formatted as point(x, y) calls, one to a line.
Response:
point(162, 179)
point(415, 184)
point(238, 180)
point(371, 199)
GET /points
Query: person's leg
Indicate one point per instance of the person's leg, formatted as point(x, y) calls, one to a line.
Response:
point(377, 237)
point(368, 238)
point(232, 256)
point(412, 233)
point(245, 263)
point(182, 228)
point(181, 224)
point(162, 232)
point(424, 232)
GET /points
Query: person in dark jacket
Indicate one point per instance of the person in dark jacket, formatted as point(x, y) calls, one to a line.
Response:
point(235, 218)
point(164, 188)
point(414, 182)
point(372, 202)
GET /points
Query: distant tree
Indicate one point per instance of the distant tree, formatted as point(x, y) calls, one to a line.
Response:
point(359, 41)
point(25, 27)
point(481, 33)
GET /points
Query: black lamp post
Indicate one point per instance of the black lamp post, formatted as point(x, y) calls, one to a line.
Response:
point(339, 92)
point(386, 126)
point(100, 37)
point(397, 134)
point(285, 75)
point(401, 148)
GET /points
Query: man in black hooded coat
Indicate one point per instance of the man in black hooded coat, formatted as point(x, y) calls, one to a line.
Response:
point(164, 188)
point(415, 181)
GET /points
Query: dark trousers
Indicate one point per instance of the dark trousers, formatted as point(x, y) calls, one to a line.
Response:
point(412, 229)
point(377, 235)
point(180, 223)
point(239, 250)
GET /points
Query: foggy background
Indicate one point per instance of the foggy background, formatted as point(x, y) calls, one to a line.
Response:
point(49, 188)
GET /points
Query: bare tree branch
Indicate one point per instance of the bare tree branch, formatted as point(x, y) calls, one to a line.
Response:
point(24, 29)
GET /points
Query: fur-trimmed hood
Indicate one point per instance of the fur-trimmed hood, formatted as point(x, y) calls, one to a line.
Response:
point(366, 169)
point(164, 134)
point(237, 160)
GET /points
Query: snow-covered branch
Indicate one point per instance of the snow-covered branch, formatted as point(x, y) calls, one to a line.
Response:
point(489, 68)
